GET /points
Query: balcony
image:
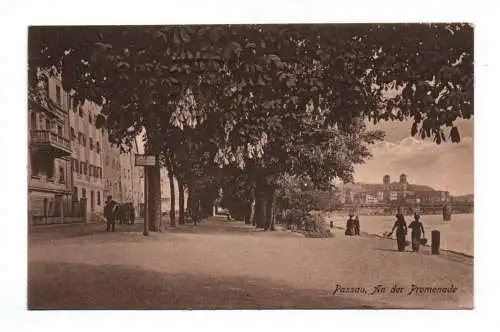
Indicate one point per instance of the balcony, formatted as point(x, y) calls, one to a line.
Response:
point(49, 106)
point(51, 142)
point(47, 184)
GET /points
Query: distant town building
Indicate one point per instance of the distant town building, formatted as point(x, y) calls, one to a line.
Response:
point(367, 193)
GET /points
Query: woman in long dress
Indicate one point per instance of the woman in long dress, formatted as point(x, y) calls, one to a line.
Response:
point(417, 232)
point(401, 231)
point(350, 227)
point(357, 227)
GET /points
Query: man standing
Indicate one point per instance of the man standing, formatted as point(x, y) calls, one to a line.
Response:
point(110, 210)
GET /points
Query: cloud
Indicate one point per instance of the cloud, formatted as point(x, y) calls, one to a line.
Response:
point(447, 166)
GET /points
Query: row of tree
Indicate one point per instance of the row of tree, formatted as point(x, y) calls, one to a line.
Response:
point(241, 107)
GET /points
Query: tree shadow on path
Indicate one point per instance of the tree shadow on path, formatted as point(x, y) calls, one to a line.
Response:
point(82, 286)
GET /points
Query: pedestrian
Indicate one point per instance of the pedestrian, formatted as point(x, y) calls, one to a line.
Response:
point(401, 231)
point(357, 227)
point(350, 227)
point(110, 213)
point(132, 215)
point(417, 232)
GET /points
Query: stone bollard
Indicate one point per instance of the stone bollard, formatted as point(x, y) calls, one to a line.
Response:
point(435, 242)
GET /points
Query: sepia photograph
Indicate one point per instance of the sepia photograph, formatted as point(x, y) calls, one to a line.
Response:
point(251, 166)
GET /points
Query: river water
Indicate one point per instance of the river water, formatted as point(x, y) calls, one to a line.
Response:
point(456, 235)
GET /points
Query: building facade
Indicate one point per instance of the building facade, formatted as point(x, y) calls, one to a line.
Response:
point(87, 156)
point(112, 170)
point(72, 167)
point(49, 156)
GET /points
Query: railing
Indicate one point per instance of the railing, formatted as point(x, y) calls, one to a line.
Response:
point(48, 137)
point(38, 183)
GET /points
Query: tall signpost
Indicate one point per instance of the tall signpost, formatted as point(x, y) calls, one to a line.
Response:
point(145, 161)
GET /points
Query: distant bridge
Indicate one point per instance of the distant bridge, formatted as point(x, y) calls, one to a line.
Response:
point(410, 207)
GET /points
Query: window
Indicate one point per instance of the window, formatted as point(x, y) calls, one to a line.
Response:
point(59, 131)
point(61, 174)
point(84, 193)
point(84, 140)
point(97, 147)
point(58, 94)
point(75, 193)
point(98, 197)
point(106, 161)
point(74, 104)
point(75, 165)
point(85, 167)
point(90, 117)
point(80, 111)
point(82, 165)
point(91, 144)
point(91, 170)
point(47, 124)
point(68, 100)
point(113, 164)
point(72, 131)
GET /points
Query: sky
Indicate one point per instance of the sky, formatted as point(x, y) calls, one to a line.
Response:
point(448, 166)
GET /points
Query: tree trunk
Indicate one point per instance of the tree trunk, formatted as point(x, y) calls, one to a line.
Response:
point(172, 198)
point(269, 209)
point(154, 192)
point(181, 202)
point(260, 209)
point(154, 197)
point(251, 208)
point(190, 201)
point(248, 213)
point(193, 205)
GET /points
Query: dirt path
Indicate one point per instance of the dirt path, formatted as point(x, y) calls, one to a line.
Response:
point(230, 265)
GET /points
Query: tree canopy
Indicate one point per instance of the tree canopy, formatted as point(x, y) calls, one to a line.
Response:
point(270, 99)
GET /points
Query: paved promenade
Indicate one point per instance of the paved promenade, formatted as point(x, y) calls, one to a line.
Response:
point(225, 265)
